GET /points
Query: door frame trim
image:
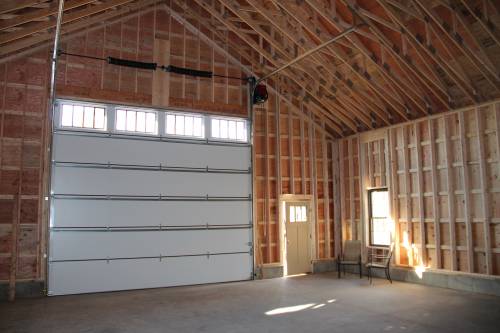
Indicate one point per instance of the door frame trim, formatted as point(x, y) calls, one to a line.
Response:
point(283, 199)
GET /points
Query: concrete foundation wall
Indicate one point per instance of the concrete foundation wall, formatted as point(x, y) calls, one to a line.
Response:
point(477, 283)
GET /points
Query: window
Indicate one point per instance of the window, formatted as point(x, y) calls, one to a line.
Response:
point(229, 129)
point(380, 233)
point(298, 213)
point(83, 116)
point(184, 125)
point(136, 121)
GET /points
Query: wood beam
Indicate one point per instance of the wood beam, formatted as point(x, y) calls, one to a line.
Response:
point(482, 23)
point(269, 57)
point(245, 17)
point(12, 5)
point(75, 26)
point(340, 54)
point(412, 70)
point(396, 18)
point(470, 54)
point(301, 44)
point(398, 83)
point(41, 13)
point(70, 17)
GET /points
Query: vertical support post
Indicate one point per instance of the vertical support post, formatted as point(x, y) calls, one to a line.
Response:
point(409, 221)
point(466, 190)
point(290, 152)
point(371, 164)
point(267, 231)
point(364, 181)
point(354, 233)
point(435, 194)
point(255, 225)
point(15, 240)
point(451, 196)
point(381, 156)
point(302, 152)
point(394, 191)
point(485, 192)
point(341, 162)
point(337, 192)
point(326, 195)
point(277, 157)
point(421, 218)
point(51, 109)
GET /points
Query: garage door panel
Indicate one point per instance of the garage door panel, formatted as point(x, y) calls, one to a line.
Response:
point(84, 181)
point(115, 213)
point(132, 212)
point(147, 152)
point(76, 245)
point(98, 276)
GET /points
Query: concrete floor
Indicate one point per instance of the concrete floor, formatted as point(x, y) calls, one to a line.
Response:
point(314, 303)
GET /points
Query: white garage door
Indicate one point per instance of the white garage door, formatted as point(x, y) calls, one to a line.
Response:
point(144, 199)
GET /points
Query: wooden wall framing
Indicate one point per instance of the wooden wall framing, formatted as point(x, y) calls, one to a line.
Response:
point(290, 141)
point(443, 173)
point(293, 155)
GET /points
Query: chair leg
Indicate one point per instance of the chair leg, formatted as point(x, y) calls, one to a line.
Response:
point(360, 272)
point(370, 274)
point(343, 266)
point(388, 273)
point(338, 268)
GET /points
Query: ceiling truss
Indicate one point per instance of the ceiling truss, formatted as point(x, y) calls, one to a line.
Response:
point(409, 58)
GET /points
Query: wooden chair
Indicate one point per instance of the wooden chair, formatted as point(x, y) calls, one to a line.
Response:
point(380, 258)
point(350, 256)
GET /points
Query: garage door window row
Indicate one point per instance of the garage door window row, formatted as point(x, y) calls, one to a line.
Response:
point(119, 119)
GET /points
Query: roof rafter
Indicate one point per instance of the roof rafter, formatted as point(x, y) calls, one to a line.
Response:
point(473, 57)
point(344, 58)
point(450, 72)
point(413, 89)
point(41, 13)
point(288, 57)
point(73, 16)
point(10, 6)
point(269, 57)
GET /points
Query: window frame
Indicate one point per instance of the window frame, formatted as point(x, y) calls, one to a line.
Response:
point(236, 119)
point(370, 217)
point(166, 113)
point(117, 107)
point(110, 117)
point(294, 207)
point(59, 114)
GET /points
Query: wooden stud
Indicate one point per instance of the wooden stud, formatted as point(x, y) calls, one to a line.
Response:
point(466, 190)
point(361, 222)
point(337, 193)
point(485, 192)
point(394, 191)
point(451, 198)
point(435, 194)
point(302, 152)
point(342, 177)
point(408, 192)
point(423, 241)
point(326, 197)
point(354, 229)
point(161, 79)
point(290, 152)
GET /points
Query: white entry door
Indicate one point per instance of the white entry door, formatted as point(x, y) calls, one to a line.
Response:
point(297, 238)
point(133, 211)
